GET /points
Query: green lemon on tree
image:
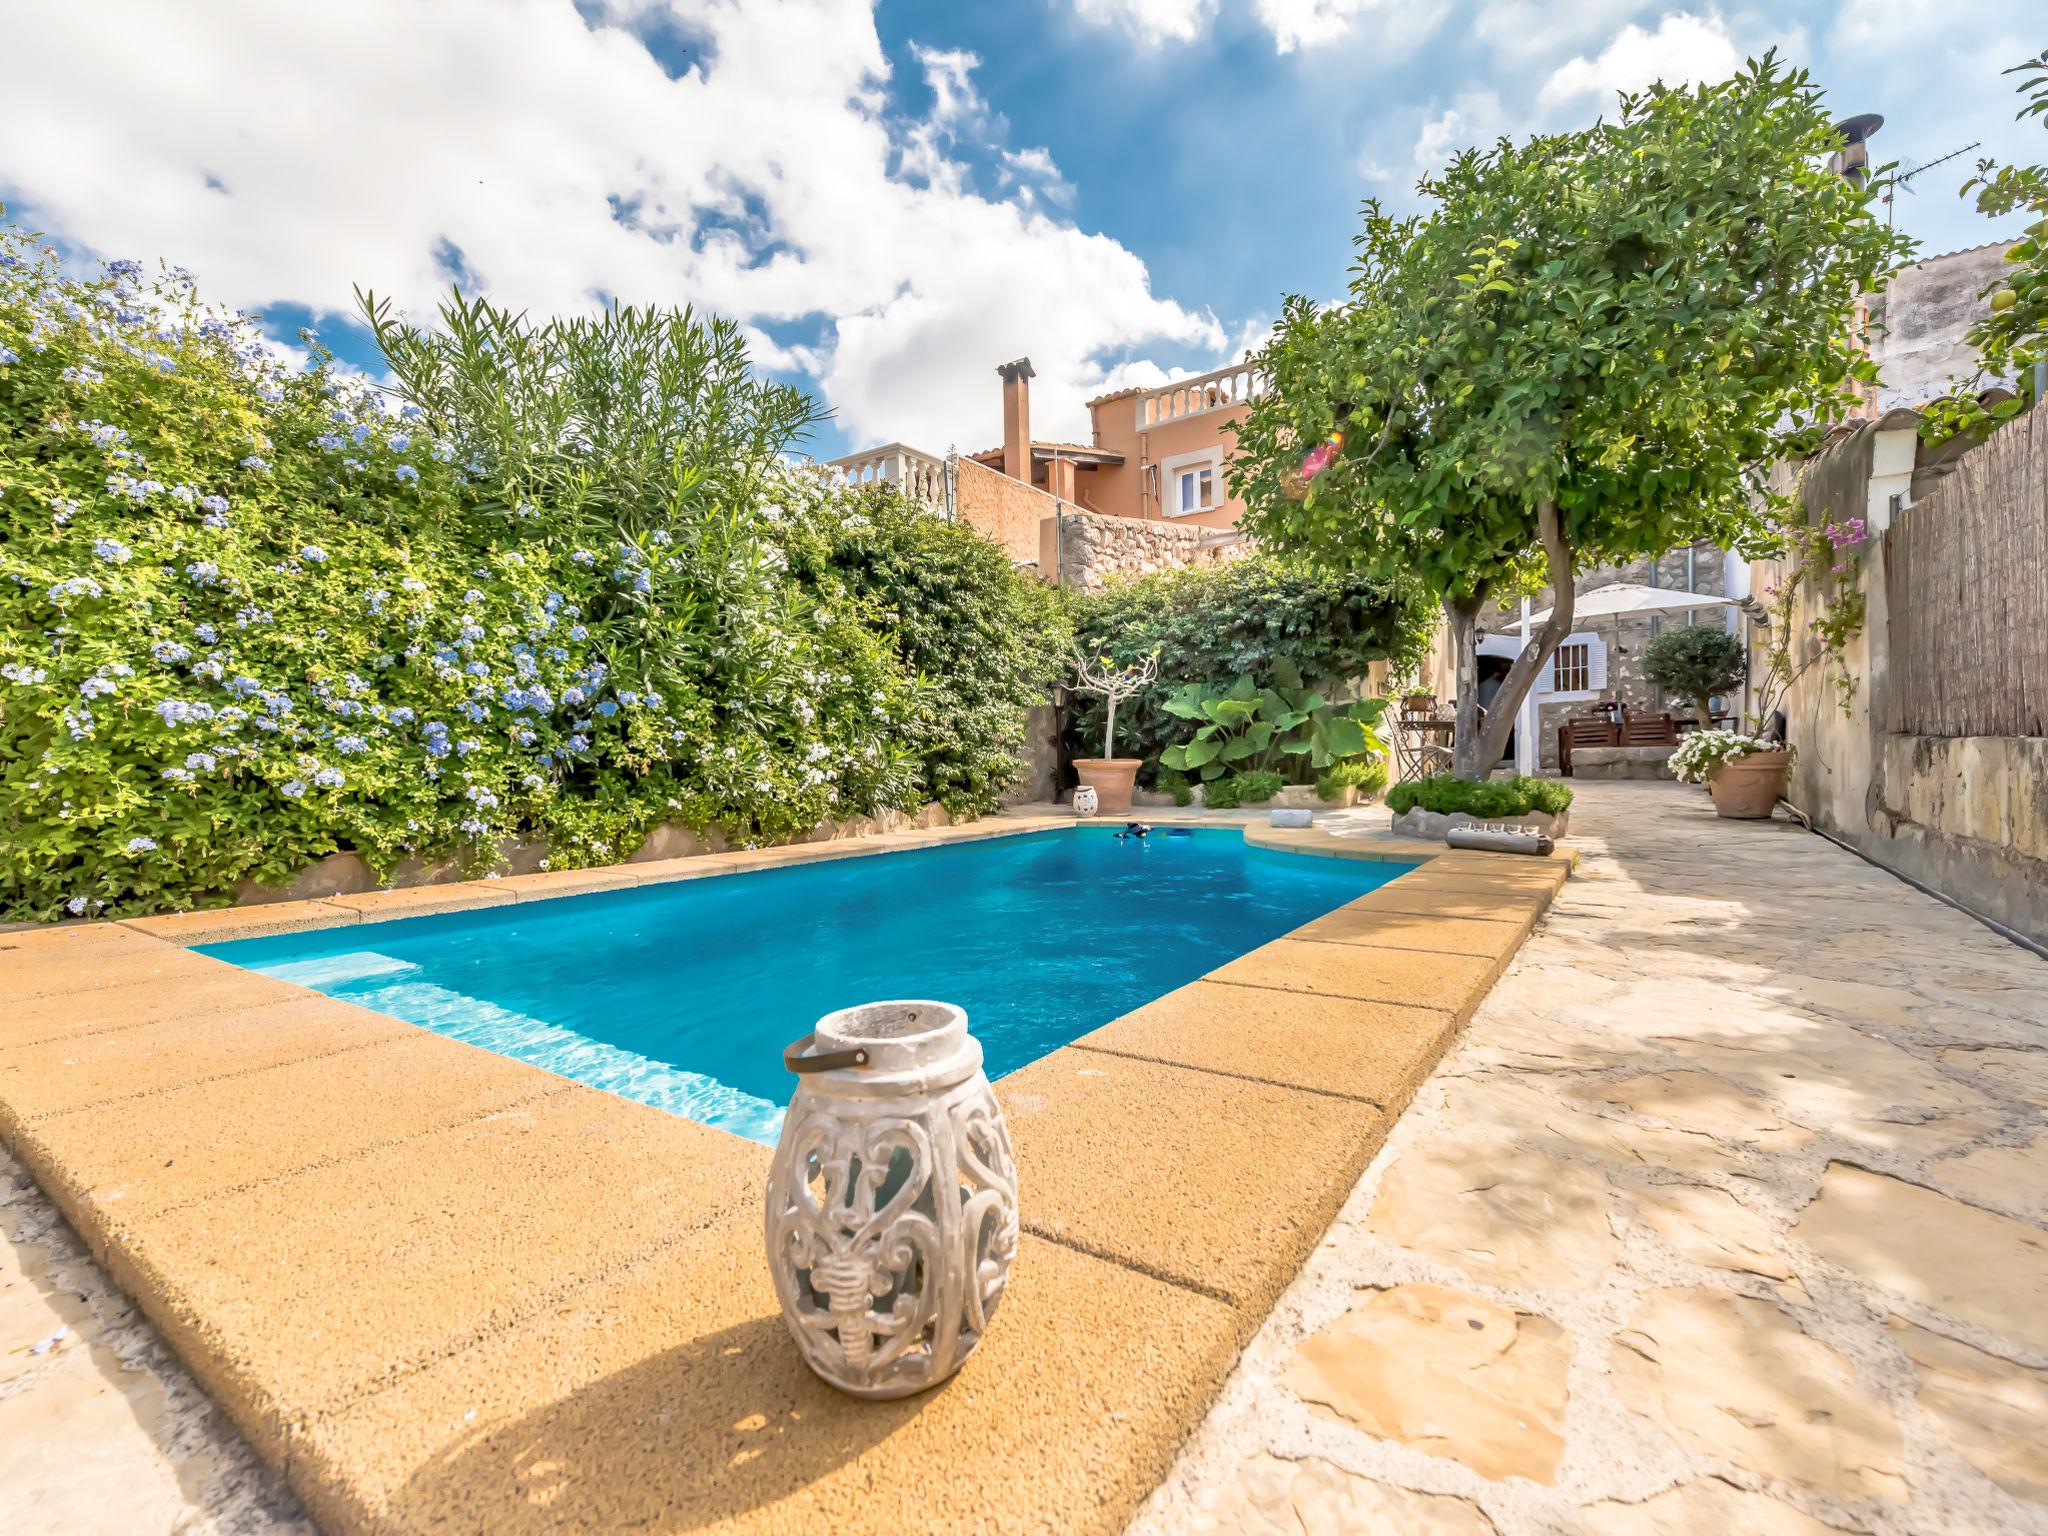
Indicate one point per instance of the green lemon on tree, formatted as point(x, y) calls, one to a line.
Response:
point(2003, 300)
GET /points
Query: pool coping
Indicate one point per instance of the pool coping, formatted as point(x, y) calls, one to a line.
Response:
point(436, 1286)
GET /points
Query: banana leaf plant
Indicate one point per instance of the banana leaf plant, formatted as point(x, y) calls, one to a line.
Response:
point(1285, 725)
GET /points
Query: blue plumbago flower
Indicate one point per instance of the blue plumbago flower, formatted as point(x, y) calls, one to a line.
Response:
point(63, 509)
point(331, 442)
point(413, 584)
point(276, 704)
point(210, 669)
point(244, 686)
point(330, 778)
point(472, 596)
point(170, 651)
point(292, 789)
point(584, 557)
point(607, 709)
point(162, 362)
point(578, 632)
point(73, 586)
point(199, 762)
point(314, 553)
point(642, 582)
point(122, 484)
point(205, 634)
point(96, 687)
point(399, 442)
point(401, 715)
point(579, 743)
point(473, 826)
point(467, 745)
point(185, 491)
point(524, 737)
point(177, 775)
point(213, 503)
point(359, 433)
point(76, 906)
point(113, 551)
point(351, 745)
point(484, 799)
point(256, 463)
point(473, 712)
point(203, 573)
point(178, 712)
point(142, 845)
point(661, 538)
point(477, 669)
point(125, 270)
point(410, 412)
point(104, 433)
point(83, 373)
point(26, 676)
point(406, 474)
point(215, 519)
point(8, 355)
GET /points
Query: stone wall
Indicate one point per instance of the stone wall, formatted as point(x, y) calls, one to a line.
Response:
point(1093, 550)
point(1000, 508)
point(1963, 815)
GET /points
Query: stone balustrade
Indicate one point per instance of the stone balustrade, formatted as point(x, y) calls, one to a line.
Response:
point(1217, 391)
point(920, 476)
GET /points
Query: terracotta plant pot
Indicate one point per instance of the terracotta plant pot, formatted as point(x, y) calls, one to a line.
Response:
point(1747, 788)
point(1111, 778)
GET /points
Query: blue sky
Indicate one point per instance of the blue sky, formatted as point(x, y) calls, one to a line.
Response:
point(893, 197)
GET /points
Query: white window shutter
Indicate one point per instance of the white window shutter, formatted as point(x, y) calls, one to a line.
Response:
point(1596, 663)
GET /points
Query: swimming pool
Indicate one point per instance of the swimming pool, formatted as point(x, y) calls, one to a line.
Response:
point(683, 995)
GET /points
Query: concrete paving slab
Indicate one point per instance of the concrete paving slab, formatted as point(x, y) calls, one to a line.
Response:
point(419, 900)
point(1372, 1051)
point(68, 1074)
point(191, 1143)
point(671, 1398)
point(1427, 932)
point(216, 925)
point(1453, 983)
point(1213, 1182)
point(1409, 894)
point(73, 961)
point(297, 1296)
point(203, 986)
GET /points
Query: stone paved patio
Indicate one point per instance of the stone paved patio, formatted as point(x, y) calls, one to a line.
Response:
point(1726, 1216)
point(102, 1433)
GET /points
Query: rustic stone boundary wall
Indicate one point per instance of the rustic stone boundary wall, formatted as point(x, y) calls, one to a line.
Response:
point(1965, 815)
point(1096, 549)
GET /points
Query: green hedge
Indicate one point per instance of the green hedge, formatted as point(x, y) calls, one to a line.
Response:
point(251, 615)
point(1480, 797)
point(1214, 623)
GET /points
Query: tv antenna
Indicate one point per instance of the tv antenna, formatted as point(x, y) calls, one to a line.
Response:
point(1901, 182)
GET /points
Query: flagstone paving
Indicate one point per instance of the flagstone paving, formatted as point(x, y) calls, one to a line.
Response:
point(1726, 1216)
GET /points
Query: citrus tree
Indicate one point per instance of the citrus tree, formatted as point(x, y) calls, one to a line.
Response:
point(1588, 350)
point(2011, 339)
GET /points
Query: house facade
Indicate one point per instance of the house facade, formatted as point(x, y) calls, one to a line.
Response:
point(1149, 491)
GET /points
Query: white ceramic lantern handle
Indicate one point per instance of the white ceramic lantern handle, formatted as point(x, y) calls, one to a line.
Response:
point(794, 1057)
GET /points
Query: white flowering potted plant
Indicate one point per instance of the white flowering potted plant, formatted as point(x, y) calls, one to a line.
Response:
point(1745, 774)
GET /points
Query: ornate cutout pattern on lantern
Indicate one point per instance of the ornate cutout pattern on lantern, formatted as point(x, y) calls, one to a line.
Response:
point(892, 1201)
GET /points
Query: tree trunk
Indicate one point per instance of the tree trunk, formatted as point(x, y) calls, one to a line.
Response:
point(1461, 616)
point(1500, 719)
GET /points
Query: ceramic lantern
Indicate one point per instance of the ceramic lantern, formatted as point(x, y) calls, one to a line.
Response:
point(1085, 800)
point(892, 1201)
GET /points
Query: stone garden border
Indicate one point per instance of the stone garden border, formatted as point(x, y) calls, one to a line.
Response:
point(438, 1288)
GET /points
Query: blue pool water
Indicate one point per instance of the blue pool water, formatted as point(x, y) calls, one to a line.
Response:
point(683, 995)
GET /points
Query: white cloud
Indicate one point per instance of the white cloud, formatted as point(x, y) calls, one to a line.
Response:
point(288, 152)
point(1683, 50)
point(1151, 22)
point(1477, 117)
point(1311, 23)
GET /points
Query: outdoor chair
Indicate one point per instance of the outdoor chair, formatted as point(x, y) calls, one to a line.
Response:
point(1583, 731)
point(1649, 731)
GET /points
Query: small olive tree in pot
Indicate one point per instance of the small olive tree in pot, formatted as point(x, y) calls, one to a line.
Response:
point(1696, 663)
point(1110, 776)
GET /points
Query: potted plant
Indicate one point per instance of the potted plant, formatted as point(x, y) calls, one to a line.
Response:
point(1696, 662)
point(1110, 776)
point(1745, 774)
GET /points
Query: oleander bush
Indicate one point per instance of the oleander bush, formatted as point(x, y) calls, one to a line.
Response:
point(1483, 798)
point(252, 614)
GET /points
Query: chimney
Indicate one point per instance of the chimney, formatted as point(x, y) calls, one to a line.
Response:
point(1017, 419)
point(1852, 161)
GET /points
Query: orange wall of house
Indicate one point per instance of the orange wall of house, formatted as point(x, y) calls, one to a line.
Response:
point(1006, 510)
point(1126, 490)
